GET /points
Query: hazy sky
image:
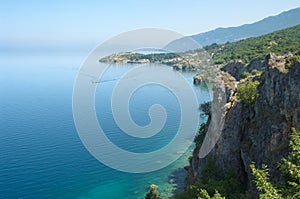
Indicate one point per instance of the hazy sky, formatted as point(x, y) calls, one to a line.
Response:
point(31, 24)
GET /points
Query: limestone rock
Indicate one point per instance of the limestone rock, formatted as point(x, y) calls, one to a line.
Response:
point(258, 132)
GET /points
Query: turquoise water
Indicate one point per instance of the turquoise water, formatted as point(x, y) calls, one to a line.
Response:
point(41, 153)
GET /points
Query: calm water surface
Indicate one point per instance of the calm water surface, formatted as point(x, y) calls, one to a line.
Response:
point(41, 155)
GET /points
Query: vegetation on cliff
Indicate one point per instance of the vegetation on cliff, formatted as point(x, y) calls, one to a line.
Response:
point(293, 59)
point(238, 56)
point(153, 192)
point(290, 168)
point(246, 92)
point(213, 182)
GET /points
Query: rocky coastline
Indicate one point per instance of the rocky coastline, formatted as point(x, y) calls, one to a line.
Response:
point(255, 133)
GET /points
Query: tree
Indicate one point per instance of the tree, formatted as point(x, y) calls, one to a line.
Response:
point(199, 138)
point(246, 92)
point(153, 192)
point(263, 184)
point(206, 108)
point(290, 168)
point(245, 75)
point(204, 195)
point(195, 193)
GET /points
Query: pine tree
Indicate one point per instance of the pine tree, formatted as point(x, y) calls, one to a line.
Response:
point(290, 168)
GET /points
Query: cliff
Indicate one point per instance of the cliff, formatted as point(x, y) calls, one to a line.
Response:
point(257, 132)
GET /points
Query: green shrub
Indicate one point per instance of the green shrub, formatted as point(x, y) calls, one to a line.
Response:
point(195, 193)
point(206, 108)
point(245, 75)
point(262, 182)
point(246, 92)
point(256, 72)
point(153, 192)
point(199, 138)
point(291, 61)
point(213, 183)
point(290, 168)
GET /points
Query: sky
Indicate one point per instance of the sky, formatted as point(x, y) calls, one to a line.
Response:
point(84, 24)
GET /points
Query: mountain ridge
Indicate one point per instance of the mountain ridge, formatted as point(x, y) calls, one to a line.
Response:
point(222, 35)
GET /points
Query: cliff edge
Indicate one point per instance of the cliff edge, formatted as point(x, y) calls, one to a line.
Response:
point(257, 132)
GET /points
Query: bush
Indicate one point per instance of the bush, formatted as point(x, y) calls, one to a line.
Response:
point(199, 138)
point(256, 72)
point(206, 108)
point(245, 75)
point(246, 92)
point(195, 193)
point(213, 183)
point(291, 61)
point(262, 182)
point(153, 192)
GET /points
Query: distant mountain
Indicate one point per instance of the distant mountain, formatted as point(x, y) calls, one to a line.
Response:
point(222, 35)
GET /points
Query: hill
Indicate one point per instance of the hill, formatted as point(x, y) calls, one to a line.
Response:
point(244, 56)
point(222, 35)
point(279, 42)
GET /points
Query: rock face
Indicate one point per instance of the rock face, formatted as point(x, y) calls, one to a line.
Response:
point(236, 69)
point(258, 132)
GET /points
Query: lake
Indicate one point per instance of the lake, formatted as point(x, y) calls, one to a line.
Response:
point(42, 155)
